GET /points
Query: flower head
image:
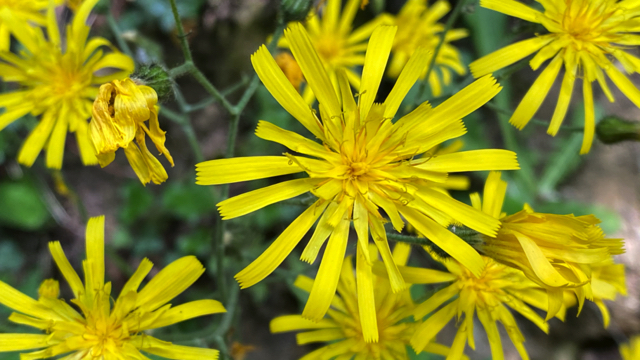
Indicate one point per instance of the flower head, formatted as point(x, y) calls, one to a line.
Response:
point(338, 45)
point(555, 251)
point(584, 35)
point(105, 328)
point(59, 82)
point(364, 163)
point(418, 27)
point(342, 326)
point(488, 296)
point(119, 115)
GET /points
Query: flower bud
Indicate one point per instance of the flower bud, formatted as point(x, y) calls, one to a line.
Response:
point(155, 77)
point(295, 10)
point(49, 289)
point(613, 130)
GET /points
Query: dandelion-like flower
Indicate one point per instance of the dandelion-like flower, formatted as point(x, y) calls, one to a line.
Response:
point(631, 351)
point(555, 251)
point(338, 45)
point(342, 326)
point(584, 35)
point(119, 115)
point(105, 328)
point(418, 27)
point(364, 163)
point(59, 80)
point(489, 296)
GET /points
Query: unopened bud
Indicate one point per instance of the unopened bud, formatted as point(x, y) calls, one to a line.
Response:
point(613, 130)
point(295, 10)
point(155, 77)
point(49, 289)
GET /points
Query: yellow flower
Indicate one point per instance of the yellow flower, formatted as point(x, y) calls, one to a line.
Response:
point(119, 115)
point(631, 351)
point(106, 328)
point(555, 251)
point(350, 330)
point(583, 35)
point(364, 162)
point(418, 27)
point(487, 295)
point(74, 4)
point(24, 11)
point(58, 81)
point(607, 281)
point(338, 46)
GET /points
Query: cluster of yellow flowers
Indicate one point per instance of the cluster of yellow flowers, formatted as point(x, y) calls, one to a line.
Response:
point(369, 163)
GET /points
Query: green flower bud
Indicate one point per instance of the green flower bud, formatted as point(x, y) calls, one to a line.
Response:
point(155, 77)
point(612, 130)
point(295, 10)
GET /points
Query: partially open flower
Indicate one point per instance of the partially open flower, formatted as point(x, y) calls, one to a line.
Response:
point(119, 115)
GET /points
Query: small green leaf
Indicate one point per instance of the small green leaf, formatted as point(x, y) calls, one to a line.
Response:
point(21, 206)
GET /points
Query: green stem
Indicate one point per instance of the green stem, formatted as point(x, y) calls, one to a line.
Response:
point(449, 24)
point(181, 36)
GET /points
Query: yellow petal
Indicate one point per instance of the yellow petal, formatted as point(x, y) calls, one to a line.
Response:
point(95, 253)
point(493, 334)
point(290, 139)
point(409, 75)
point(87, 151)
point(536, 94)
point(297, 322)
point(508, 55)
point(138, 164)
point(589, 118)
point(170, 282)
point(374, 64)
point(18, 301)
point(447, 241)
point(494, 192)
point(257, 199)
point(281, 247)
point(326, 282)
point(432, 326)
point(19, 342)
point(473, 160)
point(312, 68)
point(414, 275)
point(323, 335)
point(224, 171)
point(136, 279)
point(65, 267)
point(434, 302)
point(168, 350)
point(320, 234)
point(35, 142)
point(283, 91)
point(539, 263)
point(185, 312)
point(513, 8)
point(382, 244)
point(55, 146)
point(366, 301)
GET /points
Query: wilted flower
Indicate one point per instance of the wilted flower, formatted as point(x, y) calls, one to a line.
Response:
point(364, 162)
point(584, 35)
point(58, 81)
point(106, 328)
point(119, 115)
point(418, 27)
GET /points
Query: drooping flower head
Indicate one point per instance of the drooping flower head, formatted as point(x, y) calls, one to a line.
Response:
point(58, 82)
point(349, 333)
point(105, 327)
point(418, 27)
point(631, 351)
point(338, 45)
point(555, 251)
point(365, 163)
point(489, 296)
point(584, 35)
point(119, 115)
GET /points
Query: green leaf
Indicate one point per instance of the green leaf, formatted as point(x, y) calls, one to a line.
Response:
point(21, 205)
point(188, 201)
point(136, 200)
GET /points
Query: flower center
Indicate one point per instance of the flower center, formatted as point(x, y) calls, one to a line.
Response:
point(584, 20)
point(105, 337)
point(357, 169)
